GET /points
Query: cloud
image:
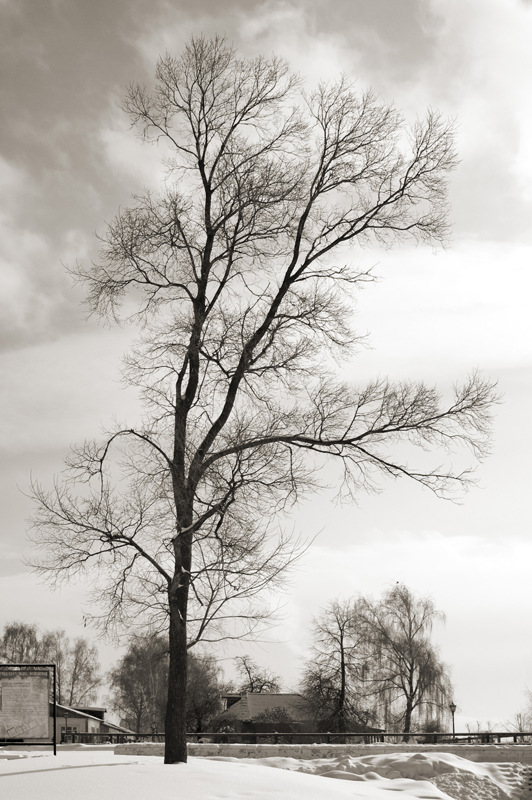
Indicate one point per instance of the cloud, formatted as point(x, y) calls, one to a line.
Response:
point(31, 601)
point(467, 305)
point(137, 163)
point(320, 38)
point(69, 159)
point(67, 388)
point(60, 69)
point(471, 59)
point(21, 251)
point(289, 30)
point(479, 72)
point(37, 300)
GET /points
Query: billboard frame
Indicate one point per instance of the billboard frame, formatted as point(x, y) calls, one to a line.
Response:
point(52, 667)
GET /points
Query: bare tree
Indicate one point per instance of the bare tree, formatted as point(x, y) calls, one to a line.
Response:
point(82, 676)
point(522, 720)
point(254, 678)
point(232, 272)
point(520, 725)
point(77, 669)
point(55, 648)
point(407, 676)
point(334, 676)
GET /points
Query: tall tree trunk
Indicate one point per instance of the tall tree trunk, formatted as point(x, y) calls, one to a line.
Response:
point(342, 727)
point(408, 717)
point(175, 723)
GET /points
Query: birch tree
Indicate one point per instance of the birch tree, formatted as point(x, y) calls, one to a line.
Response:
point(238, 274)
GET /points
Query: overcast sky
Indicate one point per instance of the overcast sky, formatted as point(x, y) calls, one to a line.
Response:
point(68, 161)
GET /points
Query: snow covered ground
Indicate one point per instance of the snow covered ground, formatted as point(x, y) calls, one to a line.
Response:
point(83, 772)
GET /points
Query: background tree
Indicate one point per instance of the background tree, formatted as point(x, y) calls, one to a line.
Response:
point(408, 676)
point(334, 681)
point(522, 720)
point(278, 716)
point(81, 678)
point(55, 649)
point(20, 644)
point(520, 724)
point(254, 678)
point(233, 270)
point(77, 668)
point(139, 684)
point(205, 687)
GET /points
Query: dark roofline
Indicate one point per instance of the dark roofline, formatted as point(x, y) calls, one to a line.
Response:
point(71, 711)
point(76, 712)
point(264, 694)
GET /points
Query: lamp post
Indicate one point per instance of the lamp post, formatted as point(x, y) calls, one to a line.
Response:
point(452, 707)
point(65, 714)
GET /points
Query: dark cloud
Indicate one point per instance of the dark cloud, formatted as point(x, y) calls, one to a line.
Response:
point(61, 65)
point(61, 62)
point(64, 65)
point(386, 32)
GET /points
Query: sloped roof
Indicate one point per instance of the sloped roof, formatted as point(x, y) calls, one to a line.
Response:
point(75, 712)
point(253, 704)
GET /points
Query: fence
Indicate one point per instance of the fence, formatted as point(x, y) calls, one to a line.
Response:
point(416, 737)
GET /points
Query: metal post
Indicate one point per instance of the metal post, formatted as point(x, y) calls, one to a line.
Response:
point(452, 707)
point(55, 709)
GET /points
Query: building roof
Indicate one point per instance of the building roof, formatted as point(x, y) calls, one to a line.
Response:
point(253, 704)
point(75, 712)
